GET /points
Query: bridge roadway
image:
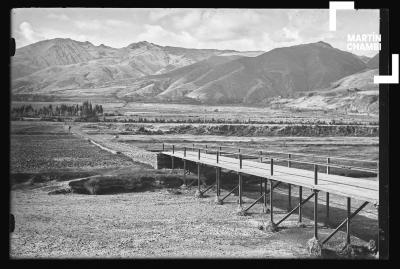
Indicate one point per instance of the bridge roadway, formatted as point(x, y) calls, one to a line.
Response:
point(357, 188)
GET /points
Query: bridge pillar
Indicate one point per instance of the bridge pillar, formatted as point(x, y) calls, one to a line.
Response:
point(218, 184)
point(198, 193)
point(300, 221)
point(271, 226)
point(265, 209)
point(327, 209)
point(184, 185)
point(290, 197)
point(241, 212)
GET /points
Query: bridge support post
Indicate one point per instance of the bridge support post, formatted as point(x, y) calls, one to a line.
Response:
point(289, 164)
point(265, 209)
point(328, 170)
point(290, 197)
point(218, 184)
point(347, 248)
point(184, 185)
point(271, 226)
point(241, 212)
point(314, 245)
point(261, 190)
point(327, 209)
point(198, 193)
point(300, 221)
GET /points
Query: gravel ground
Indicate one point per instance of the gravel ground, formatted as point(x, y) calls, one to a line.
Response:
point(150, 224)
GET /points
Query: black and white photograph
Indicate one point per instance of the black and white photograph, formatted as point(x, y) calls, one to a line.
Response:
point(235, 133)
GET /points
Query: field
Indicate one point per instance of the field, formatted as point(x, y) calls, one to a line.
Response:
point(185, 112)
point(160, 223)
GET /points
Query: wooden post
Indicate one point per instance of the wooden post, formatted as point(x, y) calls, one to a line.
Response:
point(272, 166)
point(271, 206)
point(217, 156)
point(173, 149)
point(265, 197)
point(240, 189)
point(328, 161)
point(184, 152)
point(198, 177)
point(290, 197)
point(218, 176)
point(240, 161)
point(172, 163)
point(300, 205)
point(206, 149)
point(316, 214)
point(289, 185)
point(163, 147)
point(348, 221)
point(199, 155)
point(184, 172)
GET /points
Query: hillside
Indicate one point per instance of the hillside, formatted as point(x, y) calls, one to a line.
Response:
point(59, 64)
point(148, 72)
point(355, 94)
point(279, 72)
point(373, 62)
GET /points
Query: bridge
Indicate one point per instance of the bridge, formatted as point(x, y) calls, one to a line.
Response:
point(294, 169)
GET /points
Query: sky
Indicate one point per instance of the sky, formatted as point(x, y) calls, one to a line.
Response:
point(237, 29)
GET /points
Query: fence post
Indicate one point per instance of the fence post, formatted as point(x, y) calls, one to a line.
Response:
point(240, 161)
point(184, 151)
point(206, 149)
point(315, 174)
point(163, 147)
point(272, 166)
point(173, 149)
point(217, 156)
point(199, 155)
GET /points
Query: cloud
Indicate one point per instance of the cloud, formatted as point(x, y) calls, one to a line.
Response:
point(26, 35)
point(117, 23)
point(158, 14)
point(61, 17)
point(89, 25)
point(157, 34)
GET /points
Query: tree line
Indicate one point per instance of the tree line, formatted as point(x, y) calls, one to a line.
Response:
point(85, 110)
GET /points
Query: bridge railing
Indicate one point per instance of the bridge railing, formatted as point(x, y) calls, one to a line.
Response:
point(265, 156)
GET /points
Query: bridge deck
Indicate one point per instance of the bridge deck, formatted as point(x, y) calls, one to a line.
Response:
point(361, 189)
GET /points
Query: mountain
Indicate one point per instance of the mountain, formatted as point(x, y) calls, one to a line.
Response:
point(146, 71)
point(355, 93)
point(373, 62)
point(59, 64)
point(279, 72)
point(364, 58)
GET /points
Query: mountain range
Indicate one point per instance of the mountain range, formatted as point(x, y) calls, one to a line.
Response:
point(147, 71)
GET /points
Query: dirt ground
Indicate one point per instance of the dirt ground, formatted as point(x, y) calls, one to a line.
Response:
point(153, 224)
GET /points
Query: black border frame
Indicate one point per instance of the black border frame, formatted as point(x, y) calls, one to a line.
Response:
point(384, 69)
